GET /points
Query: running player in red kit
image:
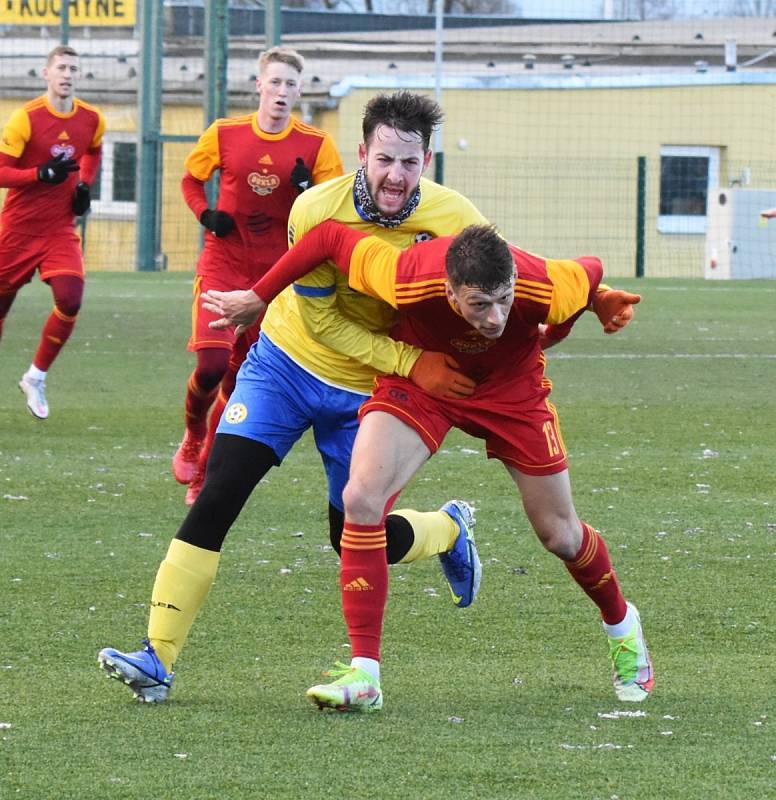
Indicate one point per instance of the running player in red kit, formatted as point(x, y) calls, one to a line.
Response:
point(49, 155)
point(266, 159)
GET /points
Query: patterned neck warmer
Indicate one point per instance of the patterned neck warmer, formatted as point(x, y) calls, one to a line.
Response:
point(368, 211)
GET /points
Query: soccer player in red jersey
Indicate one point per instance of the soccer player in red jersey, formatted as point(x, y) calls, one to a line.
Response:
point(493, 309)
point(49, 155)
point(266, 159)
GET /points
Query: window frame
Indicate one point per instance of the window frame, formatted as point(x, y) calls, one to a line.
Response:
point(113, 209)
point(690, 223)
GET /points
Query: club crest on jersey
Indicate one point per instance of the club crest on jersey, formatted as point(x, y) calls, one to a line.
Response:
point(59, 148)
point(423, 236)
point(472, 342)
point(236, 413)
point(263, 184)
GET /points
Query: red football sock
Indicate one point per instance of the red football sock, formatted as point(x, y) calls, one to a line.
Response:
point(225, 389)
point(199, 398)
point(215, 415)
point(55, 333)
point(364, 586)
point(592, 569)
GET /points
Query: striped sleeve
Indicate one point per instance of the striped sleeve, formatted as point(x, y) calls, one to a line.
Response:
point(573, 285)
point(373, 266)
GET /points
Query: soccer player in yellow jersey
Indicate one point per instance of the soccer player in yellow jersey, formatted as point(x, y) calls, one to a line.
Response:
point(321, 346)
point(493, 308)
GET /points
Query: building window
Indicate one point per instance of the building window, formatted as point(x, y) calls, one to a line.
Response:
point(113, 192)
point(687, 174)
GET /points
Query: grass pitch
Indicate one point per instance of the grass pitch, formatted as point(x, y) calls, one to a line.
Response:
point(671, 428)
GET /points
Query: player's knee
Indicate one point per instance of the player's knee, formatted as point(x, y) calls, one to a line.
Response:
point(561, 538)
point(363, 501)
point(69, 307)
point(68, 292)
point(6, 301)
point(212, 364)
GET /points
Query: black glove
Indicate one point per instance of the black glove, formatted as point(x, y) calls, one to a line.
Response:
point(57, 170)
point(219, 222)
point(82, 199)
point(301, 177)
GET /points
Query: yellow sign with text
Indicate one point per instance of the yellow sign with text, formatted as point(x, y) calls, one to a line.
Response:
point(82, 12)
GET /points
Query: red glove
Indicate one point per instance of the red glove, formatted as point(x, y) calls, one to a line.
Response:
point(614, 308)
point(438, 374)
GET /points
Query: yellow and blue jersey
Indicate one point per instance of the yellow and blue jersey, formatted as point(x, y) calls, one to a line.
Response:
point(332, 331)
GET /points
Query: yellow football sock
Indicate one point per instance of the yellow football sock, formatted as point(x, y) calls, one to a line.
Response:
point(435, 532)
point(182, 584)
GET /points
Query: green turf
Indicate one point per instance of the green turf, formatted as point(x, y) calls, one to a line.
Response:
point(671, 428)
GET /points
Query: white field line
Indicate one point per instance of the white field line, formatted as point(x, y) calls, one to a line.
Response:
point(636, 356)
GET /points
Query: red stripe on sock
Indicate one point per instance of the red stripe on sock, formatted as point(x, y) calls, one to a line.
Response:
point(55, 333)
point(364, 586)
point(592, 569)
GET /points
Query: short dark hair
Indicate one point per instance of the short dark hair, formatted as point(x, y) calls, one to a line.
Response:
point(405, 111)
point(60, 50)
point(479, 256)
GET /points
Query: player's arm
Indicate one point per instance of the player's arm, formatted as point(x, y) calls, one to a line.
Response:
point(324, 321)
point(200, 164)
point(14, 139)
point(90, 165)
point(11, 176)
point(88, 168)
point(328, 163)
point(768, 213)
point(576, 287)
point(90, 160)
point(321, 314)
point(329, 240)
point(376, 262)
point(16, 134)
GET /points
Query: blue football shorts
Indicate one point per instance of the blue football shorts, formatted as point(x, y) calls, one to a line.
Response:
point(275, 401)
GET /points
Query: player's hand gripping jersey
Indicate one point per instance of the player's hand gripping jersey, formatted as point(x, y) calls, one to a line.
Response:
point(35, 135)
point(338, 334)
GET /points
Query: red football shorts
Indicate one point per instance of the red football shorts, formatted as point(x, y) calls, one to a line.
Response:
point(203, 336)
point(517, 421)
point(21, 256)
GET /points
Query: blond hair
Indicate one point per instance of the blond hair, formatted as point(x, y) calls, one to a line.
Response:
point(60, 50)
point(282, 55)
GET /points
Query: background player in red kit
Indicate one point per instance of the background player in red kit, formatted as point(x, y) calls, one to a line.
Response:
point(265, 160)
point(49, 155)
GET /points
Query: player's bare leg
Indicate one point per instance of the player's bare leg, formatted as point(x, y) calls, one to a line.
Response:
point(550, 509)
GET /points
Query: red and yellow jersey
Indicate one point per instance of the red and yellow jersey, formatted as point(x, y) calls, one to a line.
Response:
point(35, 134)
point(337, 334)
point(547, 290)
point(255, 188)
